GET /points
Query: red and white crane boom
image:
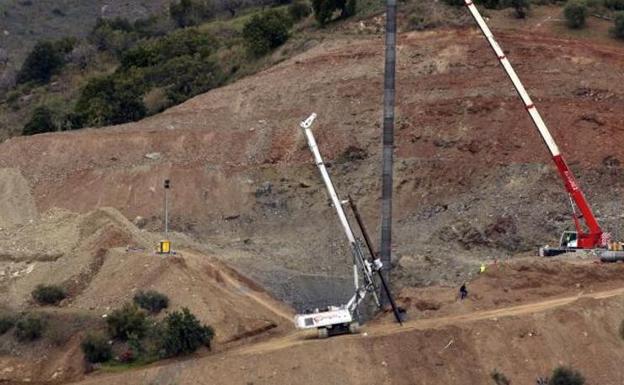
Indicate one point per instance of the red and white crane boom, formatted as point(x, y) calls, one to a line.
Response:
point(593, 237)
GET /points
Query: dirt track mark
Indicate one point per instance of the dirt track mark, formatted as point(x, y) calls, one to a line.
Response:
point(436, 323)
point(259, 297)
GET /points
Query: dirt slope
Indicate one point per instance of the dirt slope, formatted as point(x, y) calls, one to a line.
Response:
point(472, 178)
point(102, 260)
point(522, 341)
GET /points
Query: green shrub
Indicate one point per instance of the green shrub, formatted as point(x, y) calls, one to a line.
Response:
point(575, 13)
point(298, 10)
point(41, 63)
point(29, 327)
point(616, 5)
point(324, 9)
point(188, 42)
point(49, 294)
point(96, 349)
point(266, 31)
point(6, 323)
point(455, 3)
point(566, 376)
point(618, 29)
point(41, 121)
point(521, 7)
point(187, 13)
point(112, 99)
point(499, 378)
point(127, 322)
point(151, 301)
point(184, 334)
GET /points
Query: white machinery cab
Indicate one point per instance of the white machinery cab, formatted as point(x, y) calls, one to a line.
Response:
point(319, 319)
point(569, 240)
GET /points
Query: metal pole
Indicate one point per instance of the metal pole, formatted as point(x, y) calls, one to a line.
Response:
point(388, 141)
point(166, 207)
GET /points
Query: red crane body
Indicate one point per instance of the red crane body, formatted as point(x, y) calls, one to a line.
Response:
point(593, 236)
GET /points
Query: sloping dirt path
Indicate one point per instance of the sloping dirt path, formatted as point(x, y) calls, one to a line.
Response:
point(377, 330)
point(230, 277)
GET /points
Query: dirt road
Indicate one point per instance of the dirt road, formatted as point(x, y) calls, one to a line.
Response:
point(424, 351)
point(378, 330)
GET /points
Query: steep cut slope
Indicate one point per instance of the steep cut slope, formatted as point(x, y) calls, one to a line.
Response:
point(472, 178)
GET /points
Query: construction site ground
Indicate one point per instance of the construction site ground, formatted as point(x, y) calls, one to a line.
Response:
point(257, 241)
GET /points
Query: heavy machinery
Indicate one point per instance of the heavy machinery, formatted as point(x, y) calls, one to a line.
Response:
point(588, 235)
point(341, 319)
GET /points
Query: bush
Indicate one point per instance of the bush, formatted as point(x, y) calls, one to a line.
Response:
point(49, 294)
point(41, 63)
point(267, 31)
point(618, 29)
point(566, 376)
point(110, 100)
point(521, 7)
point(575, 13)
point(41, 121)
point(127, 322)
point(184, 334)
point(151, 301)
point(96, 349)
point(187, 13)
point(298, 10)
point(29, 328)
point(455, 3)
point(324, 9)
point(499, 378)
point(6, 323)
point(616, 5)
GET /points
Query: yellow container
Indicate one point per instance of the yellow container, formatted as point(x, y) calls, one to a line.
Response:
point(164, 247)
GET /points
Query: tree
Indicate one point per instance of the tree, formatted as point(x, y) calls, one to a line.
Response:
point(324, 9)
point(267, 31)
point(187, 13)
point(566, 376)
point(575, 13)
point(40, 64)
point(184, 334)
point(41, 121)
point(618, 29)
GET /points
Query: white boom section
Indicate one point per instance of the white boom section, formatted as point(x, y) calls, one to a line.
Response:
point(358, 256)
point(528, 103)
point(305, 125)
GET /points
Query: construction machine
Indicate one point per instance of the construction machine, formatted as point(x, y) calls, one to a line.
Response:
point(588, 234)
point(341, 319)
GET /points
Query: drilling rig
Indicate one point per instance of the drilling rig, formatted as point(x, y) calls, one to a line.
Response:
point(588, 234)
point(341, 319)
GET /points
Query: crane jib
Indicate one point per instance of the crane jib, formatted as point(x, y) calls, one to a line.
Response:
point(594, 236)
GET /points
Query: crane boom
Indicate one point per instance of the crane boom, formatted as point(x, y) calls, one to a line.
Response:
point(359, 260)
point(594, 236)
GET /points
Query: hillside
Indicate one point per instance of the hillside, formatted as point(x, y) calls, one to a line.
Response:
point(256, 240)
point(24, 22)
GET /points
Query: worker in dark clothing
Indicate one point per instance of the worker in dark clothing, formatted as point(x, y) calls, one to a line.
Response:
point(463, 292)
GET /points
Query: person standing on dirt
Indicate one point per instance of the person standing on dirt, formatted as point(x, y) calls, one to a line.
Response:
point(463, 292)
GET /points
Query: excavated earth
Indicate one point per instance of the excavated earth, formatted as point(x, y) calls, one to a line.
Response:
point(473, 184)
point(473, 179)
